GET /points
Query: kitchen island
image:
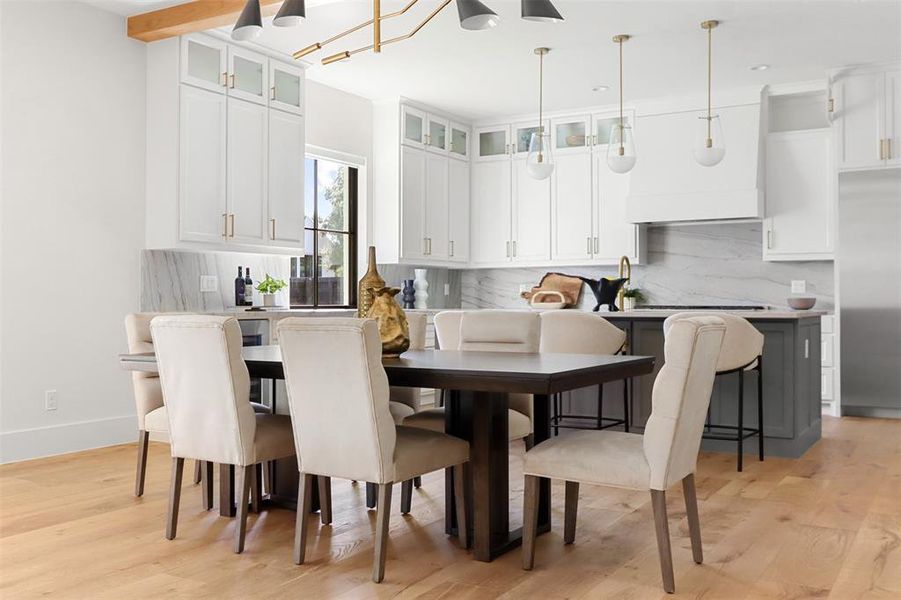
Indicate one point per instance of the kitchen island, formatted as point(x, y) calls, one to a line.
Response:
point(791, 380)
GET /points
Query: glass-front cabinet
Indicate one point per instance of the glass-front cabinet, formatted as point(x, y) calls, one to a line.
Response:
point(603, 124)
point(413, 127)
point(571, 134)
point(286, 88)
point(459, 141)
point(248, 75)
point(522, 135)
point(493, 142)
point(436, 138)
point(204, 62)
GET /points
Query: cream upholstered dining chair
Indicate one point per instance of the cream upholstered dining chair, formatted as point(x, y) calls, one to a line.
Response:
point(655, 461)
point(206, 386)
point(742, 352)
point(343, 426)
point(152, 417)
point(405, 400)
point(579, 332)
point(489, 331)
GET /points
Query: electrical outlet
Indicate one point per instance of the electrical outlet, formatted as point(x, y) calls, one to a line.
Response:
point(447, 289)
point(209, 283)
point(799, 286)
point(50, 400)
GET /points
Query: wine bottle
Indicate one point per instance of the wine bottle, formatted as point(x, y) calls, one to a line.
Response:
point(248, 289)
point(239, 287)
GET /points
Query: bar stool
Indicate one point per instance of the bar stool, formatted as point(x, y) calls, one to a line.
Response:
point(578, 332)
point(742, 351)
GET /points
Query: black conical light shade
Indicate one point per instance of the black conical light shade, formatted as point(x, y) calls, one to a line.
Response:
point(250, 23)
point(474, 15)
point(540, 10)
point(291, 13)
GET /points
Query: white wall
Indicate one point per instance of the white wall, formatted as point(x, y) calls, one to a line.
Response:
point(72, 124)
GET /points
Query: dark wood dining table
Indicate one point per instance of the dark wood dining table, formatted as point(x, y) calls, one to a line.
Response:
point(476, 410)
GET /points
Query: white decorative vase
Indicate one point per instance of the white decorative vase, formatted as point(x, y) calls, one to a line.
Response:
point(421, 299)
point(268, 299)
point(628, 303)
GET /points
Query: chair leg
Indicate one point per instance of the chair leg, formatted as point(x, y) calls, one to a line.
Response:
point(370, 495)
point(178, 465)
point(529, 521)
point(383, 514)
point(558, 410)
point(626, 415)
point(460, 504)
point(256, 488)
point(244, 477)
point(305, 502)
point(406, 496)
point(197, 469)
point(325, 499)
point(600, 422)
point(529, 441)
point(760, 406)
point(658, 500)
point(417, 482)
point(143, 444)
point(571, 509)
point(741, 418)
point(206, 483)
point(691, 511)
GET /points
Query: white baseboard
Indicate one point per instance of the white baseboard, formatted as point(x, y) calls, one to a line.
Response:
point(40, 442)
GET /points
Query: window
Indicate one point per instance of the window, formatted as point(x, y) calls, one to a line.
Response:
point(326, 275)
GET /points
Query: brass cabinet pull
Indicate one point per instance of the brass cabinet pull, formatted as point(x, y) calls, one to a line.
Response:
point(223, 81)
point(596, 245)
point(272, 222)
point(451, 249)
point(231, 80)
point(514, 247)
point(888, 148)
point(882, 153)
point(272, 93)
point(231, 219)
point(831, 105)
point(588, 246)
point(769, 239)
point(225, 225)
point(508, 248)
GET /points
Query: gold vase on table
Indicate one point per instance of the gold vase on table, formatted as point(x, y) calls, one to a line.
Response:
point(393, 328)
point(371, 280)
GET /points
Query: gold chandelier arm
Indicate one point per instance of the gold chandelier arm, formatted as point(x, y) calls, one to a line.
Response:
point(348, 53)
point(318, 45)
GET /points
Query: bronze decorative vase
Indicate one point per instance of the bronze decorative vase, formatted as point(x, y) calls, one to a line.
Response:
point(371, 280)
point(393, 329)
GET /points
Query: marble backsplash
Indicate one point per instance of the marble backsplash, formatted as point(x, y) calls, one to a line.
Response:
point(686, 264)
point(440, 281)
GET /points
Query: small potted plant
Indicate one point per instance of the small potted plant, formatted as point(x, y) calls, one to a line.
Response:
point(631, 297)
point(269, 287)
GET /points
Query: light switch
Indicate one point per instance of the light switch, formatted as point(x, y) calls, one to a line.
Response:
point(447, 289)
point(209, 283)
point(799, 286)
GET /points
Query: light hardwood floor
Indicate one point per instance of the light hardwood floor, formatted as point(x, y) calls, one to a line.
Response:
point(828, 525)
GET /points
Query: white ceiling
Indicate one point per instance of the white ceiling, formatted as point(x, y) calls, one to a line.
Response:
point(478, 74)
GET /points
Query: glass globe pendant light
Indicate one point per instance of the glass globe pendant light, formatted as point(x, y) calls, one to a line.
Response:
point(621, 155)
point(709, 146)
point(540, 160)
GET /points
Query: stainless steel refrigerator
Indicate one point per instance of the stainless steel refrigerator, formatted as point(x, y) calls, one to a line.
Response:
point(868, 264)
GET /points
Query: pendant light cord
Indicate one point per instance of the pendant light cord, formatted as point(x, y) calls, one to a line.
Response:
point(709, 79)
point(622, 124)
point(540, 106)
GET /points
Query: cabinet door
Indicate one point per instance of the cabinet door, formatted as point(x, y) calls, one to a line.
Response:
point(490, 212)
point(436, 208)
point(571, 135)
point(799, 195)
point(458, 210)
point(413, 203)
point(286, 87)
point(493, 143)
point(571, 202)
point(531, 216)
point(204, 62)
point(413, 127)
point(437, 134)
point(286, 179)
point(248, 144)
point(459, 141)
point(615, 236)
point(202, 161)
point(893, 117)
point(602, 124)
point(522, 135)
point(248, 75)
point(859, 119)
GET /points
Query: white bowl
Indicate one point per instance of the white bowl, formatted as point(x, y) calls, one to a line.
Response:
point(801, 302)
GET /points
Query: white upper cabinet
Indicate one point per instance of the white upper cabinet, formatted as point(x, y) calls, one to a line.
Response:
point(458, 211)
point(459, 141)
point(436, 138)
point(248, 147)
point(286, 89)
point(571, 185)
point(615, 236)
point(204, 62)
point(436, 208)
point(867, 118)
point(493, 143)
point(799, 196)
point(414, 124)
point(203, 213)
point(893, 118)
point(286, 179)
point(571, 135)
point(413, 191)
point(490, 233)
point(248, 75)
point(531, 240)
point(522, 135)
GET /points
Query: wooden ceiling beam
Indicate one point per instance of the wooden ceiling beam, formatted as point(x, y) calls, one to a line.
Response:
point(198, 15)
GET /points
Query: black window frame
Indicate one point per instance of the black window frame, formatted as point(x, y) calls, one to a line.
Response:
point(353, 190)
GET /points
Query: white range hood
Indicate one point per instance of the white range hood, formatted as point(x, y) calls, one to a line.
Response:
point(667, 185)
